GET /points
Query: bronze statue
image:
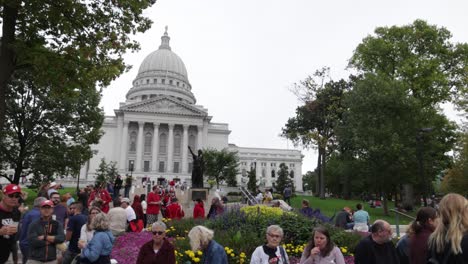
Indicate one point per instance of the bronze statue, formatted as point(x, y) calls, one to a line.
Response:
point(197, 169)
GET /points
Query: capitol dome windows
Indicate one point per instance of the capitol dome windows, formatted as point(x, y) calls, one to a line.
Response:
point(163, 81)
point(170, 82)
point(144, 97)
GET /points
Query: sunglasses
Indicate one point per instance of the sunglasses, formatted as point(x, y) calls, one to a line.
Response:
point(14, 195)
point(158, 232)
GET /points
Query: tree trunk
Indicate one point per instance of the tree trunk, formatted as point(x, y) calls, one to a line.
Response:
point(319, 169)
point(385, 204)
point(7, 54)
point(322, 174)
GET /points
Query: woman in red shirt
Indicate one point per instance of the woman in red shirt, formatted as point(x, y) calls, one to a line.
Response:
point(199, 209)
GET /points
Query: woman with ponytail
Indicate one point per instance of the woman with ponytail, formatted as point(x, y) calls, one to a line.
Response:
point(419, 232)
point(449, 242)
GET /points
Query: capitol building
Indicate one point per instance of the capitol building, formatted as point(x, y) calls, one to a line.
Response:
point(151, 131)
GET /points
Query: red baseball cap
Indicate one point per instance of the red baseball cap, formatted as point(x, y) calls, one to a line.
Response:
point(11, 188)
point(47, 203)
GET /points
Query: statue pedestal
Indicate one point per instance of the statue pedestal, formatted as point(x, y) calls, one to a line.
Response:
point(198, 193)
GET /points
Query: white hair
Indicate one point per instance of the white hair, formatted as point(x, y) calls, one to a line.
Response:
point(159, 223)
point(200, 237)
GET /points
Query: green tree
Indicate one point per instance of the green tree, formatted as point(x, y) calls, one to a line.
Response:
point(49, 130)
point(252, 183)
point(78, 43)
point(102, 172)
point(221, 165)
point(283, 179)
point(381, 124)
point(456, 178)
point(420, 55)
point(315, 121)
point(309, 180)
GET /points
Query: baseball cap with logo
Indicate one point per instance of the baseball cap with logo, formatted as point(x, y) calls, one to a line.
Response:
point(47, 203)
point(11, 188)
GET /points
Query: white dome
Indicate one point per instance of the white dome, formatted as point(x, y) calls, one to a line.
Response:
point(162, 72)
point(163, 60)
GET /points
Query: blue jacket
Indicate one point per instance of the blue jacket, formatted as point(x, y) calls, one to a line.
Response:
point(100, 245)
point(214, 253)
point(28, 218)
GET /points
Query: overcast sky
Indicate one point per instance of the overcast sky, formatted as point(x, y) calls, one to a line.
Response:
point(243, 56)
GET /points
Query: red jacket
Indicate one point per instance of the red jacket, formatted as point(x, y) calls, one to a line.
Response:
point(165, 254)
point(104, 196)
point(153, 208)
point(174, 211)
point(199, 211)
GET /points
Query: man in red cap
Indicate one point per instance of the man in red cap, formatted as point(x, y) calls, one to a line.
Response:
point(44, 234)
point(9, 219)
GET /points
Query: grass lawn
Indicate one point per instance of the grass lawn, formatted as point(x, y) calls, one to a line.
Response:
point(330, 206)
point(32, 194)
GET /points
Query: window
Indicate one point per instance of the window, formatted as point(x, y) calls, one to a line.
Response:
point(191, 143)
point(133, 138)
point(291, 174)
point(177, 144)
point(291, 165)
point(177, 84)
point(183, 85)
point(148, 142)
point(146, 166)
point(273, 164)
point(170, 82)
point(161, 166)
point(176, 167)
point(144, 97)
point(147, 81)
point(163, 143)
point(155, 80)
point(263, 172)
point(190, 167)
point(273, 174)
point(163, 81)
point(131, 165)
point(152, 96)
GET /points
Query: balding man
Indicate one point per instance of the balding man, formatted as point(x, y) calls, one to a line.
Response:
point(377, 248)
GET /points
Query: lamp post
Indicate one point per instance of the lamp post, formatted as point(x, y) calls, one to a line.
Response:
point(131, 168)
point(422, 175)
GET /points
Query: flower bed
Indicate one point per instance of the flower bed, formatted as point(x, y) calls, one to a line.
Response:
point(240, 232)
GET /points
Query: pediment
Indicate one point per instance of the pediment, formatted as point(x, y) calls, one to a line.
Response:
point(164, 105)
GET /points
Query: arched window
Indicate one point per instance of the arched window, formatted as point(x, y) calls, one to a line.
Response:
point(162, 143)
point(148, 142)
point(263, 172)
point(273, 174)
point(177, 144)
point(133, 139)
point(192, 142)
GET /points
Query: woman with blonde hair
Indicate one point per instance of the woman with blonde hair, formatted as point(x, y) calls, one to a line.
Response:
point(449, 241)
point(87, 231)
point(201, 238)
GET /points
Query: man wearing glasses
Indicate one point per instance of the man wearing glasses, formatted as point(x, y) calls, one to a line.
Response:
point(9, 216)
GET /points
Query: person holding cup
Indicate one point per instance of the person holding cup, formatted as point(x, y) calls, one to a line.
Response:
point(9, 219)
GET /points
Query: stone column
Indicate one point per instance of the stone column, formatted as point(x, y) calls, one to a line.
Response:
point(155, 151)
point(268, 182)
point(118, 145)
point(123, 147)
point(200, 138)
point(185, 150)
point(170, 148)
point(139, 148)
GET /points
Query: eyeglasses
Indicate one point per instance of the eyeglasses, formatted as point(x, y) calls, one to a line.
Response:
point(274, 236)
point(158, 232)
point(72, 208)
point(94, 213)
point(14, 195)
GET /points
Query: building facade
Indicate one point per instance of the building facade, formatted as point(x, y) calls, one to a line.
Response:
point(150, 133)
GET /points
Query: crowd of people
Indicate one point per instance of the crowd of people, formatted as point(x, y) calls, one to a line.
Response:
point(60, 230)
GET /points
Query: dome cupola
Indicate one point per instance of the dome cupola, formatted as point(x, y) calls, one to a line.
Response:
point(162, 72)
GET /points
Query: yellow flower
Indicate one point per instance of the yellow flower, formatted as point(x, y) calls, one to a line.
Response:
point(232, 255)
point(196, 260)
point(199, 253)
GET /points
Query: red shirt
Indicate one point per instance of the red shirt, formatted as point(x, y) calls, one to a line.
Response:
point(174, 211)
point(153, 208)
point(198, 211)
point(104, 196)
